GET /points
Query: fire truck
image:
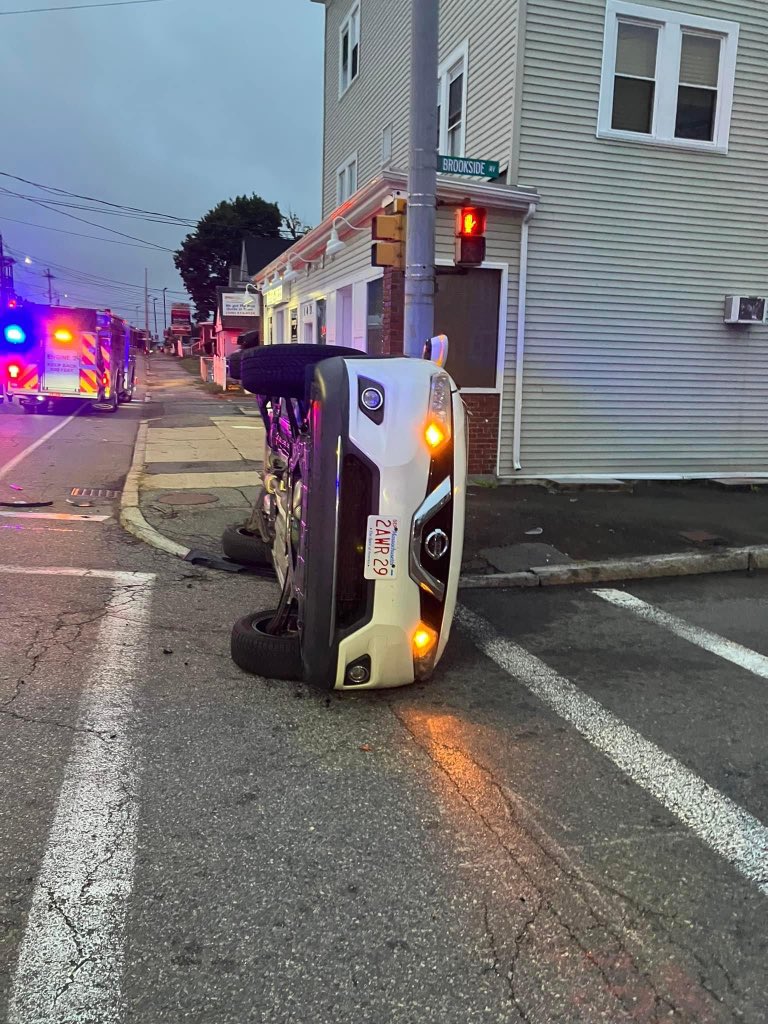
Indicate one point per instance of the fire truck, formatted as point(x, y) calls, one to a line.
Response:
point(51, 354)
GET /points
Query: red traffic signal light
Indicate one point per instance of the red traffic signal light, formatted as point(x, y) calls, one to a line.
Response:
point(472, 221)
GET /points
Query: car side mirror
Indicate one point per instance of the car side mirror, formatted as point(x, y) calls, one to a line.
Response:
point(436, 350)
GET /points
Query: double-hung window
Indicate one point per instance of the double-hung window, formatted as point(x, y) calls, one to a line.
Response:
point(346, 179)
point(668, 77)
point(349, 49)
point(452, 102)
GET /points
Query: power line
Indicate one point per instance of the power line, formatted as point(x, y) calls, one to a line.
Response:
point(75, 234)
point(83, 277)
point(104, 202)
point(93, 224)
point(84, 7)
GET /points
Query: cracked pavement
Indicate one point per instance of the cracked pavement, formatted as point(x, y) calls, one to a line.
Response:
point(451, 853)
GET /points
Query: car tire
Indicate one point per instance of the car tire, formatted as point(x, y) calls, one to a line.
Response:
point(245, 548)
point(280, 371)
point(29, 409)
point(261, 654)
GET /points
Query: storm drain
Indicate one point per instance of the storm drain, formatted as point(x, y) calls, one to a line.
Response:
point(106, 493)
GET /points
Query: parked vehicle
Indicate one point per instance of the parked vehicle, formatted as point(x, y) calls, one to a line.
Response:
point(69, 354)
point(361, 514)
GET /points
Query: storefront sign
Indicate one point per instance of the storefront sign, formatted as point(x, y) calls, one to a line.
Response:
point(468, 166)
point(240, 304)
point(275, 296)
point(181, 318)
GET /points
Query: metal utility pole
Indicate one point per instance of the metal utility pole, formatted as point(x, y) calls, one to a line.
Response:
point(165, 315)
point(154, 303)
point(7, 291)
point(51, 277)
point(146, 303)
point(422, 179)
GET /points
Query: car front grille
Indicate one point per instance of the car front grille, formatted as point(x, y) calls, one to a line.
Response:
point(353, 591)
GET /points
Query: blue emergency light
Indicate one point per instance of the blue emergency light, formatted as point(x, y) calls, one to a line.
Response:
point(15, 335)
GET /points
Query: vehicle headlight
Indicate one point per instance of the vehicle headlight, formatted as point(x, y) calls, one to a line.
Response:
point(438, 429)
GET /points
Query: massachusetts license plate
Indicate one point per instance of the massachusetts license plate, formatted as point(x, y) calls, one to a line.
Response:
point(381, 548)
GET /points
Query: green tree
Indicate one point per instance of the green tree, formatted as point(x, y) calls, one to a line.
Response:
point(206, 254)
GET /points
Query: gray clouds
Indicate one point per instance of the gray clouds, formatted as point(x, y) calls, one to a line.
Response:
point(171, 107)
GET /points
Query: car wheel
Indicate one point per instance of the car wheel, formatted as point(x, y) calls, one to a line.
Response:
point(29, 409)
point(262, 654)
point(280, 371)
point(244, 547)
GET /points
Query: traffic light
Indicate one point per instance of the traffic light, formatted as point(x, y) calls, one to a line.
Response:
point(470, 235)
point(388, 232)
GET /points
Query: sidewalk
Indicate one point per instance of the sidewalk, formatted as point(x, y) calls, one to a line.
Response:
point(200, 454)
point(202, 457)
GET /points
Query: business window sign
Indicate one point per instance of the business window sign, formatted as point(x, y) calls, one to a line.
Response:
point(468, 166)
point(240, 304)
point(275, 296)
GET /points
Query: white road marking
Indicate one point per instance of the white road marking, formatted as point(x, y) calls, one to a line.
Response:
point(125, 579)
point(71, 958)
point(712, 642)
point(17, 459)
point(716, 819)
point(68, 516)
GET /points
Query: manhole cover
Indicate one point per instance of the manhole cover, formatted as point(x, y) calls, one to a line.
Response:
point(93, 492)
point(187, 498)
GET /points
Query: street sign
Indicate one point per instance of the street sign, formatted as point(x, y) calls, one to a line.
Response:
point(468, 166)
point(240, 304)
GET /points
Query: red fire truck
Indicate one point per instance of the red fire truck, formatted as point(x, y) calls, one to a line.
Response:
point(51, 354)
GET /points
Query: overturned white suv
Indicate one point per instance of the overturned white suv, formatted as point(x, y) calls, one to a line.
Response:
point(361, 515)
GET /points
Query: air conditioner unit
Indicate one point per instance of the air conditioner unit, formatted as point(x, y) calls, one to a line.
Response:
point(741, 309)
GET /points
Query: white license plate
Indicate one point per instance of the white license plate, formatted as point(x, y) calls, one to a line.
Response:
point(382, 552)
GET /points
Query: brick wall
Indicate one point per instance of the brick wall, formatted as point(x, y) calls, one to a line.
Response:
point(393, 312)
point(483, 432)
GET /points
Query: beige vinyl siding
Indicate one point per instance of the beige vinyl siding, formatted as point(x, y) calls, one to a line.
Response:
point(378, 97)
point(490, 26)
point(629, 368)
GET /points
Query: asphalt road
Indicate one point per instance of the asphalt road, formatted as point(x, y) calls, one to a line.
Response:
point(565, 825)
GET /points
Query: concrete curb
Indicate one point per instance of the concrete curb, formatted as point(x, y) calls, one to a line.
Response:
point(131, 518)
point(644, 567)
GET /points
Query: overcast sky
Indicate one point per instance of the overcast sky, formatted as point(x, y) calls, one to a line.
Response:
point(169, 106)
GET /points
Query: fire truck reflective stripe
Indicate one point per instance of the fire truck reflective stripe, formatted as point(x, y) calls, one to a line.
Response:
point(29, 378)
point(89, 350)
point(89, 381)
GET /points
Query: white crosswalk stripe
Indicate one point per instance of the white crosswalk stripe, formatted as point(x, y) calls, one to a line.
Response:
point(720, 822)
point(712, 642)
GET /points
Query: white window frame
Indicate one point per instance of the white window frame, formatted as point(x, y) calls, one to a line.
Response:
point(458, 59)
point(671, 25)
point(350, 24)
point(343, 190)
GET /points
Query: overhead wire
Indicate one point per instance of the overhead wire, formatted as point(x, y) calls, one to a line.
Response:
point(93, 199)
point(93, 224)
point(74, 234)
point(83, 7)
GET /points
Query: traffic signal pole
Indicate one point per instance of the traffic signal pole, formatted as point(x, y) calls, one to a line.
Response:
point(422, 179)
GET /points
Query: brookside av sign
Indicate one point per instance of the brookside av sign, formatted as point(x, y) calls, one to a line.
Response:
point(468, 166)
